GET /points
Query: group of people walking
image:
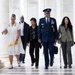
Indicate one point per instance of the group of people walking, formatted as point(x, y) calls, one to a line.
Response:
point(45, 34)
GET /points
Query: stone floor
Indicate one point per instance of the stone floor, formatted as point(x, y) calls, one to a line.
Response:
point(26, 68)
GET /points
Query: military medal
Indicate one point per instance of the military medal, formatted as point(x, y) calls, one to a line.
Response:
point(53, 28)
point(42, 25)
point(52, 22)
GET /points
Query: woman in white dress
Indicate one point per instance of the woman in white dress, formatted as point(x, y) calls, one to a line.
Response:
point(13, 31)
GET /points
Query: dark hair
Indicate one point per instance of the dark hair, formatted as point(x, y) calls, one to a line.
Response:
point(34, 19)
point(13, 15)
point(69, 23)
point(22, 17)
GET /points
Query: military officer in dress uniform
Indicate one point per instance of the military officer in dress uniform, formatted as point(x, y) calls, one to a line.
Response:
point(47, 35)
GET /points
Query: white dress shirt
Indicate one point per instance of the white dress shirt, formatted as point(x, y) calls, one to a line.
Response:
point(22, 27)
point(48, 19)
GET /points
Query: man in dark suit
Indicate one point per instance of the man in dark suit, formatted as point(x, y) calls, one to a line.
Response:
point(24, 31)
point(47, 35)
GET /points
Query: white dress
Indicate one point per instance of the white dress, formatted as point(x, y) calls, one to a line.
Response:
point(12, 35)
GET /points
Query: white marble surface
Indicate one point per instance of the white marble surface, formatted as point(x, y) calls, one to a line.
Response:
point(7, 8)
point(4, 19)
point(28, 8)
point(26, 68)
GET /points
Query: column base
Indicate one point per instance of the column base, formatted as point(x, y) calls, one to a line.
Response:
point(1, 64)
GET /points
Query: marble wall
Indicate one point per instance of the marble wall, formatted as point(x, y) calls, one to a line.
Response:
point(33, 8)
point(68, 9)
point(4, 20)
point(14, 8)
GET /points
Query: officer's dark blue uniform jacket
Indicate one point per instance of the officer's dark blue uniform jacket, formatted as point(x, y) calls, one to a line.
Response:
point(47, 32)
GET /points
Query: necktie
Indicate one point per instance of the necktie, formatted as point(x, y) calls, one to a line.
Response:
point(48, 20)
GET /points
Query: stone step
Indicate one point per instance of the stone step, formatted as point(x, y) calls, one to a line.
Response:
point(1, 64)
point(0, 61)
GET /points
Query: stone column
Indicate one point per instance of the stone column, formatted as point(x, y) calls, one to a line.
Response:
point(24, 9)
point(59, 12)
point(67, 9)
point(73, 51)
point(4, 20)
point(74, 17)
point(51, 4)
point(29, 9)
point(32, 9)
point(1, 64)
point(41, 6)
point(14, 8)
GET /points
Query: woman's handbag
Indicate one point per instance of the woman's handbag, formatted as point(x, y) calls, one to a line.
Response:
point(55, 50)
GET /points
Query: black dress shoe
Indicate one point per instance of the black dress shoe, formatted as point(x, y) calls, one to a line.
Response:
point(23, 62)
point(46, 67)
point(10, 67)
point(32, 64)
point(36, 67)
point(51, 64)
point(65, 66)
point(70, 66)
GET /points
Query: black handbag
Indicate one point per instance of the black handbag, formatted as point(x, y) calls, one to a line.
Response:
point(55, 50)
point(40, 46)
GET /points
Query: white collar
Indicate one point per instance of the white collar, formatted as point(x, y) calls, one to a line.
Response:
point(22, 23)
point(13, 25)
point(47, 18)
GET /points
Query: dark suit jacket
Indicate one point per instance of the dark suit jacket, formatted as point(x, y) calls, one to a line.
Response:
point(30, 34)
point(45, 31)
point(25, 30)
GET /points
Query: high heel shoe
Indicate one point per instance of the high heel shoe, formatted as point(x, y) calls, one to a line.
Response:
point(11, 67)
point(19, 64)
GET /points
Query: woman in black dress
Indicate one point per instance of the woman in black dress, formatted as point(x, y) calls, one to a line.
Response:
point(33, 40)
